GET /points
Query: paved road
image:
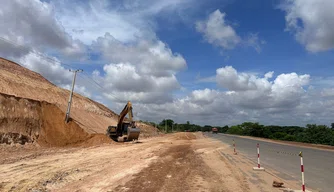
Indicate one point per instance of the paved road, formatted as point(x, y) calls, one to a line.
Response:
point(319, 164)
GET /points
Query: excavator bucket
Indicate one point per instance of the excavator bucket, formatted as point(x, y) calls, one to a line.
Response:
point(133, 133)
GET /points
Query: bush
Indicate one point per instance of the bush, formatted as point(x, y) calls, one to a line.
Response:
point(278, 136)
point(289, 138)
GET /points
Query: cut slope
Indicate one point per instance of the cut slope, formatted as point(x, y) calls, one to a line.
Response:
point(91, 116)
point(21, 82)
point(25, 120)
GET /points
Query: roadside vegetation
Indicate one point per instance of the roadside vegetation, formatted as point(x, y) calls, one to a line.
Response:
point(311, 133)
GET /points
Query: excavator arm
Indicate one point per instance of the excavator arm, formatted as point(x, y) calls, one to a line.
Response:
point(124, 128)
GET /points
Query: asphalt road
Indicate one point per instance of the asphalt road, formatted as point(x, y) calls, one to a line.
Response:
point(318, 164)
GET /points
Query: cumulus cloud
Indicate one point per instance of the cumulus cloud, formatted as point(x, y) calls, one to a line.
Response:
point(249, 97)
point(229, 78)
point(122, 82)
point(150, 56)
point(312, 23)
point(124, 77)
point(217, 31)
point(49, 68)
point(285, 90)
point(32, 23)
point(144, 71)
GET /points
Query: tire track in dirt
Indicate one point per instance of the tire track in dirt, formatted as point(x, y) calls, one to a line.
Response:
point(178, 169)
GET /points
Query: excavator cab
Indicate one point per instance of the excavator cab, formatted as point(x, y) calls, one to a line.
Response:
point(127, 130)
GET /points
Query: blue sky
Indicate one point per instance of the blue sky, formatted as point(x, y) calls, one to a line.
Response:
point(214, 61)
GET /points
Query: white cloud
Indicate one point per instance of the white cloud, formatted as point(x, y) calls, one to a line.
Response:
point(312, 23)
point(49, 68)
point(32, 23)
point(143, 71)
point(205, 96)
point(254, 41)
point(269, 75)
point(151, 57)
point(249, 98)
point(124, 77)
point(229, 78)
point(125, 20)
point(285, 90)
point(327, 92)
point(217, 31)
point(90, 20)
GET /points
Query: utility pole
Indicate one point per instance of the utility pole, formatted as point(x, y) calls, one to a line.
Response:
point(165, 126)
point(71, 94)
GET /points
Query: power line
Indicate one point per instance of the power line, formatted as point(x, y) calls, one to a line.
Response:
point(30, 50)
point(45, 57)
point(86, 75)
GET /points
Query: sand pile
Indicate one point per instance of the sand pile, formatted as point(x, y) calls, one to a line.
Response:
point(147, 130)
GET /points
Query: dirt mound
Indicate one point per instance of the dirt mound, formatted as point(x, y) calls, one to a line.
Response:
point(147, 130)
point(185, 136)
point(55, 132)
point(96, 139)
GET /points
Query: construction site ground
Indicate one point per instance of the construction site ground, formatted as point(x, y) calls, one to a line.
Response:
point(174, 162)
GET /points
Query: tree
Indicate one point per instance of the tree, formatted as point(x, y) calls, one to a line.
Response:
point(206, 128)
point(235, 130)
point(332, 126)
point(166, 124)
point(223, 129)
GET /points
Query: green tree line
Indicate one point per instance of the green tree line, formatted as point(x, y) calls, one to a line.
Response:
point(311, 133)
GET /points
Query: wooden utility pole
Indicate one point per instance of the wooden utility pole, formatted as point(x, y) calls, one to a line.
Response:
point(71, 94)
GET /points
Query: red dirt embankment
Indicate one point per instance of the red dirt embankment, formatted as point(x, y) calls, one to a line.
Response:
point(25, 120)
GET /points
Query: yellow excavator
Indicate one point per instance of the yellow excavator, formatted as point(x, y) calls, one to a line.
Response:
point(126, 130)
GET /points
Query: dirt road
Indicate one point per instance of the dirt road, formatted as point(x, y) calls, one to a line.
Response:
point(175, 162)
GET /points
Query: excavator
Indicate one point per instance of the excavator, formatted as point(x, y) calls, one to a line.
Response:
point(126, 130)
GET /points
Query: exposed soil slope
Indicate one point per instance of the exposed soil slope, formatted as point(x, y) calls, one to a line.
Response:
point(31, 106)
point(26, 120)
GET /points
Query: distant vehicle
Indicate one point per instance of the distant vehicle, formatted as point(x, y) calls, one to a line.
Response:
point(214, 130)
